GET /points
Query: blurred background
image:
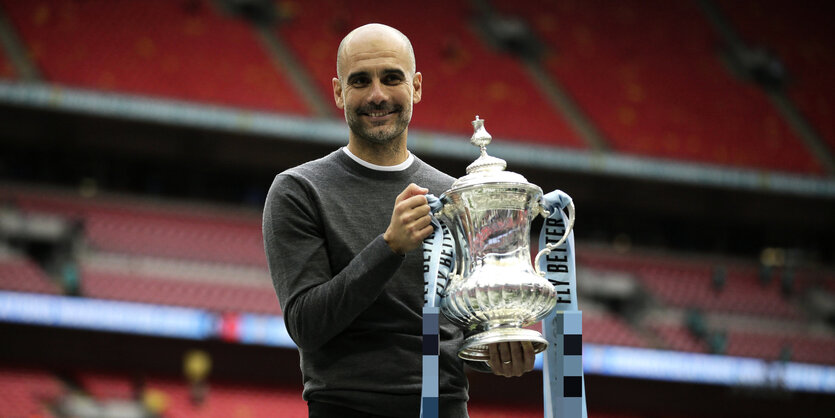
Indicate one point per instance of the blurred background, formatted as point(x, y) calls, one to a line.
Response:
point(138, 140)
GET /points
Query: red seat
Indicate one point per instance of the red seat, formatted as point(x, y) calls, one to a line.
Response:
point(23, 275)
point(677, 337)
point(687, 283)
point(770, 346)
point(157, 230)
point(222, 297)
point(604, 328)
point(27, 392)
point(180, 50)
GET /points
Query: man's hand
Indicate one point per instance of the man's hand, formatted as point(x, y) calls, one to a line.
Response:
point(511, 359)
point(410, 220)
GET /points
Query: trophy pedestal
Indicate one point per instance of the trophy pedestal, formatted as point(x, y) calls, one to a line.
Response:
point(475, 346)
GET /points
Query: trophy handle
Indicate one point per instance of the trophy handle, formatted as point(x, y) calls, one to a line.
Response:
point(436, 206)
point(568, 228)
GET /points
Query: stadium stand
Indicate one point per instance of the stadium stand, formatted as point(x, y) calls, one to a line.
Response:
point(650, 78)
point(222, 297)
point(29, 388)
point(605, 328)
point(802, 38)
point(487, 83)
point(781, 346)
point(25, 392)
point(185, 50)
point(21, 274)
point(677, 337)
point(689, 283)
point(180, 233)
point(778, 342)
point(7, 70)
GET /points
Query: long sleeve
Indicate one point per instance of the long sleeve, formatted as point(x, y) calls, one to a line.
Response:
point(318, 303)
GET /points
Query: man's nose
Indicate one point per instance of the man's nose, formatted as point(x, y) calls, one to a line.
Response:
point(378, 93)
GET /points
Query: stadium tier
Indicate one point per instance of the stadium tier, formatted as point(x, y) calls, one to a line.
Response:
point(605, 328)
point(649, 75)
point(802, 38)
point(182, 50)
point(26, 392)
point(778, 344)
point(196, 293)
point(144, 229)
point(462, 77)
point(7, 70)
point(678, 337)
point(687, 283)
point(29, 393)
point(21, 274)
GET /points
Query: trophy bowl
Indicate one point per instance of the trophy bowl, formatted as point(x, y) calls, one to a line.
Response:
point(493, 292)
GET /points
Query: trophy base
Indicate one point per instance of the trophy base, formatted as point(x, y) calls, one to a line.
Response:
point(475, 347)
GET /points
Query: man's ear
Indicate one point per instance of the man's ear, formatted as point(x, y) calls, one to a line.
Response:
point(417, 85)
point(337, 93)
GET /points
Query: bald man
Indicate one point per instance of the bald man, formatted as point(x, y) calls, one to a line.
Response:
point(343, 235)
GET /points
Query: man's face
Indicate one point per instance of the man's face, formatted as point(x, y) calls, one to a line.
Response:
point(377, 88)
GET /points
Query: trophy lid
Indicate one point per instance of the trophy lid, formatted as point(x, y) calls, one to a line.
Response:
point(486, 169)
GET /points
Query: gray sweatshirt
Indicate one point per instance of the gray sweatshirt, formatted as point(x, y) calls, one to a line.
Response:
point(350, 303)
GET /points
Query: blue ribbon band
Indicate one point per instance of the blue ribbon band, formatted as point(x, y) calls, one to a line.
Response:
point(562, 369)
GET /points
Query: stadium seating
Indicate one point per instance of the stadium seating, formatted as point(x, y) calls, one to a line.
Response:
point(462, 77)
point(181, 50)
point(224, 399)
point(18, 273)
point(693, 288)
point(222, 297)
point(227, 399)
point(26, 392)
point(777, 346)
point(801, 37)
point(605, 328)
point(7, 71)
point(685, 283)
point(145, 229)
point(649, 76)
point(677, 337)
point(652, 89)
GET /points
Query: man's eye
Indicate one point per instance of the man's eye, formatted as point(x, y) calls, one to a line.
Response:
point(359, 82)
point(392, 79)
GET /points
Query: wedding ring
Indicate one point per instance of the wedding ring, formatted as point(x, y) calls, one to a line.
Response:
point(506, 362)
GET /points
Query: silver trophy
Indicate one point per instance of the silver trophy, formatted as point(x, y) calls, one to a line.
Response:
point(494, 291)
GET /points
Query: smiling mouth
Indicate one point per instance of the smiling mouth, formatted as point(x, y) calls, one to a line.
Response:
point(379, 112)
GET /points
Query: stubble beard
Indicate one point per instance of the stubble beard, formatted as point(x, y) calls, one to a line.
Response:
point(381, 134)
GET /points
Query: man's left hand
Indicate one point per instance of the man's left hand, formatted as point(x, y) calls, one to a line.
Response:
point(511, 359)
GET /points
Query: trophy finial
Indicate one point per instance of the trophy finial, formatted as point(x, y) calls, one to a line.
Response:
point(480, 139)
point(480, 136)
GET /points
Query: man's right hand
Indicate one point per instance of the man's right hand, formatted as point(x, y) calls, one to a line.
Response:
point(410, 220)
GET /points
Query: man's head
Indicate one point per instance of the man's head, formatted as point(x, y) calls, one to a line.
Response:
point(376, 83)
